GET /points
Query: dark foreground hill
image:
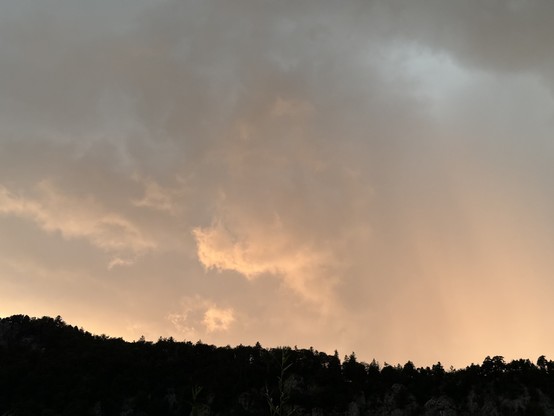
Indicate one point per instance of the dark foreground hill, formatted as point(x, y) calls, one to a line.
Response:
point(50, 368)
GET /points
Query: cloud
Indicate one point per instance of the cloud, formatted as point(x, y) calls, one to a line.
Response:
point(77, 218)
point(267, 249)
point(357, 168)
point(500, 36)
point(160, 198)
point(120, 262)
point(216, 319)
point(198, 316)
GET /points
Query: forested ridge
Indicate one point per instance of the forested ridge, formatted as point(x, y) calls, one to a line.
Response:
point(48, 367)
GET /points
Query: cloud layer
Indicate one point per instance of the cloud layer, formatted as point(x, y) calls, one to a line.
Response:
point(370, 175)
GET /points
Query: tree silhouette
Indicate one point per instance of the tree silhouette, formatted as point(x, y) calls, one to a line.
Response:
point(48, 367)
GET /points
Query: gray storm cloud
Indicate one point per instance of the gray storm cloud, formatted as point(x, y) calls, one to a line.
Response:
point(345, 174)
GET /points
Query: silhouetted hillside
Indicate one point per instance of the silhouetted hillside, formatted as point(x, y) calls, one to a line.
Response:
point(50, 368)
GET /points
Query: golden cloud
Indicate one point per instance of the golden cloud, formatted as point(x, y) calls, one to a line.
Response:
point(218, 319)
point(77, 218)
point(271, 250)
point(198, 316)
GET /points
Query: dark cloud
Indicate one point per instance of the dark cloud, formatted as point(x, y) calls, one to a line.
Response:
point(493, 35)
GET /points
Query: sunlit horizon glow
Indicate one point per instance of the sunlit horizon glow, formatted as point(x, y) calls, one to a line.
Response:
point(367, 176)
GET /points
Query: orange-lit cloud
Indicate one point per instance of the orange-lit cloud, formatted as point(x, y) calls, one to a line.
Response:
point(74, 217)
point(198, 316)
point(217, 319)
point(267, 249)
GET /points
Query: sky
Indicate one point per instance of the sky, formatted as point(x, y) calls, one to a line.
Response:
point(373, 176)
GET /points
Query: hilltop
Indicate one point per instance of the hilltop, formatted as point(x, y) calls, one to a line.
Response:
point(48, 367)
